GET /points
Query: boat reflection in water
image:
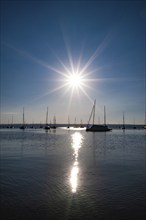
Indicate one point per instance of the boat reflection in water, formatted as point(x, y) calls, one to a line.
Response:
point(76, 145)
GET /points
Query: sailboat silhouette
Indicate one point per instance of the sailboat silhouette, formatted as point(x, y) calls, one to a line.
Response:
point(23, 125)
point(123, 122)
point(47, 127)
point(94, 127)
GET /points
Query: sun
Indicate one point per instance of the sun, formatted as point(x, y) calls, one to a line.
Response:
point(75, 80)
point(75, 75)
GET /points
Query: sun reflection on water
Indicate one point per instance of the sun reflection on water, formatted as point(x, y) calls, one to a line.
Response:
point(76, 144)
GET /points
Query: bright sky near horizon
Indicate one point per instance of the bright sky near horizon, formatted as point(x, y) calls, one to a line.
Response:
point(65, 54)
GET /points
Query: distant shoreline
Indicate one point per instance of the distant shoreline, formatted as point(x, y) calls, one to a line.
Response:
point(38, 126)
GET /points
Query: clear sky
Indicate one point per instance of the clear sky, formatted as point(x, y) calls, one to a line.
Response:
point(44, 42)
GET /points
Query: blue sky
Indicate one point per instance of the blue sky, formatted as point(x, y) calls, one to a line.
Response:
point(41, 40)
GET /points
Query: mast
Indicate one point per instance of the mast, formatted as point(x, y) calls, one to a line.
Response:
point(75, 122)
point(104, 116)
point(23, 125)
point(92, 113)
point(54, 120)
point(145, 121)
point(47, 117)
point(12, 123)
point(23, 116)
point(123, 121)
point(47, 127)
point(145, 103)
point(68, 126)
point(68, 122)
point(8, 124)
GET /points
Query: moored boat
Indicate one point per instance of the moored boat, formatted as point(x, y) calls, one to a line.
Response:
point(23, 125)
point(145, 118)
point(123, 127)
point(68, 126)
point(98, 128)
point(54, 123)
point(95, 127)
point(47, 127)
point(81, 126)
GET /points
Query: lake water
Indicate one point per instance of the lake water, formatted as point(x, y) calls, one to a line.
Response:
point(72, 174)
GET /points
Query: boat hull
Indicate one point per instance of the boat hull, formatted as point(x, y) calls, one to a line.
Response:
point(98, 128)
point(22, 127)
point(53, 127)
point(47, 127)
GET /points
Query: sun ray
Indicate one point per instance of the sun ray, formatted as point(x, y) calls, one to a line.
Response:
point(96, 53)
point(74, 79)
point(85, 93)
point(89, 73)
point(87, 86)
point(38, 61)
point(57, 71)
point(77, 80)
point(79, 63)
point(69, 56)
point(70, 99)
point(48, 93)
point(65, 67)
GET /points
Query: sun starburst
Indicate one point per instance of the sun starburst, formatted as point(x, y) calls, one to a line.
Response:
point(75, 80)
point(73, 77)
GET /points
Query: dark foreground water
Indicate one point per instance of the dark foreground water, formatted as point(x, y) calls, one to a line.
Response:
point(72, 175)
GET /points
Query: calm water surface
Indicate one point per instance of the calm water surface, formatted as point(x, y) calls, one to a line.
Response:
point(72, 174)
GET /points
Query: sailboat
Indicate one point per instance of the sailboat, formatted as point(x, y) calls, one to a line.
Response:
point(68, 126)
point(54, 123)
point(47, 127)
point(23, 125)
point(145, 121)
point(134, 126)
point(75, 124)
point(8, 125)
point(12, 126)
point(41, 125)
point(123, 122)
point(145, 103)
point(94, 127)
point(81, 126)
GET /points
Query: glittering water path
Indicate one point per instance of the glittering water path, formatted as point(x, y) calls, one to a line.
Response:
point(72, 174)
